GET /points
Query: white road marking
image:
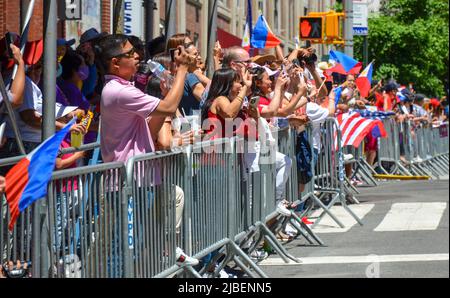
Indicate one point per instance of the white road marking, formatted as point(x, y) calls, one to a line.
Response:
point(328, 225)
point(412, 217)
point(358, 259)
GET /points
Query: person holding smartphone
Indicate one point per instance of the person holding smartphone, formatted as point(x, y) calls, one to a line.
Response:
point(193, 86)
point(225, 102)
point(10, 55)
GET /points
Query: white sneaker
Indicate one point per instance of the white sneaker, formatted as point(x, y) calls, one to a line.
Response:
point(281, 209)
point(357, 182)
point(185, 260)
point(222, 274)
point(418, 159)
point(291, 231)
point(348, 157)
point(259, 255)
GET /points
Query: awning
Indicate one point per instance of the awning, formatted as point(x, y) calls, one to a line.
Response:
point(227, 40)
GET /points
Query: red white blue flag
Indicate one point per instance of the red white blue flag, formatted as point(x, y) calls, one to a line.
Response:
point(27, 181)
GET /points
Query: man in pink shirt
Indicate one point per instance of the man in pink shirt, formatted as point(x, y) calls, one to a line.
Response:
point(125, 109)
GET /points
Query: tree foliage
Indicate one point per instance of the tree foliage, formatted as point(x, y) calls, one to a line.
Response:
point(409, 41)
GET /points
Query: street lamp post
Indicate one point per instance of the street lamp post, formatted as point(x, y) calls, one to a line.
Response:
point(348, 28)
point(171, 15)
point(212, 34)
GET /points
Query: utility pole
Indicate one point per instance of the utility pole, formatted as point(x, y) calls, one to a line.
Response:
point(118, 5)
point(150, 6)
point(366, 50)
point(348, 28)
point(170, 21)
point(48, 122)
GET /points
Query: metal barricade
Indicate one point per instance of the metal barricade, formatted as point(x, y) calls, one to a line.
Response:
point(362, 169)
point(426, 143)
point(410, 141)
point(439, 148)
point(86, 217)
point(15, 244)
point(389, 149)
point(329, 172)
point(156, 184)
point(288, 145)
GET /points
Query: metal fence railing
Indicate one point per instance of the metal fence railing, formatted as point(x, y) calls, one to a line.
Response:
point(115, 220)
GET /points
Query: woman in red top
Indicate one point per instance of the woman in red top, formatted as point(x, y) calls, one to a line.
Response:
point(224, 102)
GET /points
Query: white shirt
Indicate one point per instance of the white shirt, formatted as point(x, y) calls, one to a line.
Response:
point(32, 98)
point(317, 115)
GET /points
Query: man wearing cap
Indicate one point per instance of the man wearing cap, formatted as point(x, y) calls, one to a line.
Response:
point(29, 117)
point(418, 111)
point(86, 49)
point(389, 95)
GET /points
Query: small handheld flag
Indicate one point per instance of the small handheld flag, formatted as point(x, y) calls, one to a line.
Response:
point(263, 37)
point(364, 82)
point(344, 64)
point(27, 181)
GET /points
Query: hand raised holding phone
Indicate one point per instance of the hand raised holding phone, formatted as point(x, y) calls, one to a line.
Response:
point(282, 81)
point(181, 57)
point(17, 55)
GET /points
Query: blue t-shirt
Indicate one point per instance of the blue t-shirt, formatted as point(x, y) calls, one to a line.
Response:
point(189, 103)
point(90, 83)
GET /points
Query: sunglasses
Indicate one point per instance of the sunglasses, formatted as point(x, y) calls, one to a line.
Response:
point(129, 54)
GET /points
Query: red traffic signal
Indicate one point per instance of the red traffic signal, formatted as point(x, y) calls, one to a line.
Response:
point(311, 28)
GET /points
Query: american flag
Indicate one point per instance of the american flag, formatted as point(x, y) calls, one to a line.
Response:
point(355, 128)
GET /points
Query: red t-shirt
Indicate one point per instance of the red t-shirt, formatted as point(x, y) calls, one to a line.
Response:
point(380, 102)
point(263, 102)
point(67, 183)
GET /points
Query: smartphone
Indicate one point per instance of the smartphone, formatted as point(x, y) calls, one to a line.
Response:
point(254, 101)
point(172, 54)
point(9, 40)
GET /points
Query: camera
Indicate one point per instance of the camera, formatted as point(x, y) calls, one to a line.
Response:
point(9, 40)
point(172, 54)
point(305, 60)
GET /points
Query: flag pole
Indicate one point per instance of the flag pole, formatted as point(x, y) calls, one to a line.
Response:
point(321, 86)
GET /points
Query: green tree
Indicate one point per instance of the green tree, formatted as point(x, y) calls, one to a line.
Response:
point(409, 41)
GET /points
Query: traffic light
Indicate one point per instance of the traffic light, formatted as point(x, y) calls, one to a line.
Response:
point(311, 28)
point(332, 29)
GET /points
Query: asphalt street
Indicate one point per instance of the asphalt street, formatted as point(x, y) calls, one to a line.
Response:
point(405, 235)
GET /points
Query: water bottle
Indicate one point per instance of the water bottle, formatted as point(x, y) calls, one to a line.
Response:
point(160, 72)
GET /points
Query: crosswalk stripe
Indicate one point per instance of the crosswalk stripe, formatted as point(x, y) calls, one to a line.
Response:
point(328, 225)
point(412, 217)
point(358, 259)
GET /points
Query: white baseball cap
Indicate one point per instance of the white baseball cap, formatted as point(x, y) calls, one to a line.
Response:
point(60, 110)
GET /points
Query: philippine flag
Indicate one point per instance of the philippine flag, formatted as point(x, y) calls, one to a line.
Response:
point(344, 64)
point(246, 38)
point(263, 37)
point(27, 181)
point(364, 82)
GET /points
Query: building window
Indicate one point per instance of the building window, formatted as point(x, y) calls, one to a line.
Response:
point(276, 17)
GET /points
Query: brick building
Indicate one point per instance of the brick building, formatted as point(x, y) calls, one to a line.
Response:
point(13, 13)
point(191, 17)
